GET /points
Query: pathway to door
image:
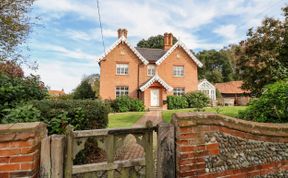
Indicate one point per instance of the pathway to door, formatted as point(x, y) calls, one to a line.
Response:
point(154, 116)
point(131, 150)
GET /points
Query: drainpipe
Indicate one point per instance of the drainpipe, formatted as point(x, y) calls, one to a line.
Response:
point(138, 90)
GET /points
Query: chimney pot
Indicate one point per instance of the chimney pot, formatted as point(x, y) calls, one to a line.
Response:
point(122, 32)
point(168, 41)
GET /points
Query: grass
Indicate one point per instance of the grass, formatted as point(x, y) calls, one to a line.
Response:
point(226, 110)
point(127, 119)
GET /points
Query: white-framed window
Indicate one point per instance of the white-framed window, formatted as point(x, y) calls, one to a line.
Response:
point(179, 91)
point(122, 69)
point(178, 71)
point(151, 70)
point(206, 92)
point(122, 91)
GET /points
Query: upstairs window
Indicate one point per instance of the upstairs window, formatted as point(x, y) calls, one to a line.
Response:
point(178, 71)
point(151, 70)
point(121, 69)
point(122, 91)
point(179, 91)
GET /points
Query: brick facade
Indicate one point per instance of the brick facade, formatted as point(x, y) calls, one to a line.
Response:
point(20, 149)
point(137, 74)
point(211, 145)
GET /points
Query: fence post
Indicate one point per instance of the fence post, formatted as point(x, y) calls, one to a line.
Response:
point(57, 155)
point(69, 152)
point(148, 147)
point(45, 161)
point(110, 144)
point(165, 151)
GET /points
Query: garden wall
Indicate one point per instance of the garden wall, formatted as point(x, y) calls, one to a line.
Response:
point(211, 145)
point(20, 149)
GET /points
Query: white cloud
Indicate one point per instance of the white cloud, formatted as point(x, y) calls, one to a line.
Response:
point(61, 50)
point(60, 75)
point(146, 18)
point(229, 32)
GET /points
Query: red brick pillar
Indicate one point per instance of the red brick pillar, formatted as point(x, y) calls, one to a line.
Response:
point(191, 148)
point(20, 149)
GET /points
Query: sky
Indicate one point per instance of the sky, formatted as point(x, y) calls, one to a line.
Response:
point(66, 40)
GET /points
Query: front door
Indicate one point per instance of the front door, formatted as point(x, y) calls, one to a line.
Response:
point(154, 97)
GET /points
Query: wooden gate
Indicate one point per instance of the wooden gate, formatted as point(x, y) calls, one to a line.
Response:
point(109, 140)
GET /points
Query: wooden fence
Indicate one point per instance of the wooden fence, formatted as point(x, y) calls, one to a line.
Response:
point(58, 153)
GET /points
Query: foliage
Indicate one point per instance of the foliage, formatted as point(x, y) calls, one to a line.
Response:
point(84, 90)
point(176, 102)
point(82, 114)
point(21, 113)
point(197, 100)
point(125, 104)
point(154, 42)
point(272, 106)
point(15, 90)
point(263, 55)
point(11, 69)
point(15, 27)
point(216, 66)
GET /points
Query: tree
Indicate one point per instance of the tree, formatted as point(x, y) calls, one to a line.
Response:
point(84, 90)
point(260, 60)
point(154, 42)
point(15, 27)
point(11, 69)
point(216, 66)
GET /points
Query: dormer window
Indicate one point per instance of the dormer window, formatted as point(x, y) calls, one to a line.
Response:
point(121, 69)
point(151, 70)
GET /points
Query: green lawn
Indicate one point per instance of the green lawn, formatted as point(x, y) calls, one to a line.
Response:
point(123, 119)
point(226, 110)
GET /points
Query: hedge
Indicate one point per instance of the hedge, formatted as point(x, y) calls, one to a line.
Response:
point(125, 104)
point(176, 102)
point(82, 114)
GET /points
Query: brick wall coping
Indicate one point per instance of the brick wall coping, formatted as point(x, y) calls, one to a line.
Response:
point(212, 119)
point(22, 127)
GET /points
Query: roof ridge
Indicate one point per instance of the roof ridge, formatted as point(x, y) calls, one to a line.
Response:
point(150, 48)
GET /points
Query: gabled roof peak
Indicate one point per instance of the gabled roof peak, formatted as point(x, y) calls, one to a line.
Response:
point(179, 44)
point(123, 39)
point(155, 78)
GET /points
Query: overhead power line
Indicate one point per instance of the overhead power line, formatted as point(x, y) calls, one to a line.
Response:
point(100, 23)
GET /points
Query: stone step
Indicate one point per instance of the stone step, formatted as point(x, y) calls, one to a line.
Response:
point(155, 109)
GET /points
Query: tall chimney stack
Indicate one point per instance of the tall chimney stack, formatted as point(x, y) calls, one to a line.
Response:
point(122, 32)
point(168, 41)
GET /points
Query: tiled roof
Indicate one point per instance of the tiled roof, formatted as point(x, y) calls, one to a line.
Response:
point(56, 92)
point(151, 54)
point(233, 87)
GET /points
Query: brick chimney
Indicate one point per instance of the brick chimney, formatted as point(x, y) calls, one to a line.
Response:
point(122, 32)
point(168, 41)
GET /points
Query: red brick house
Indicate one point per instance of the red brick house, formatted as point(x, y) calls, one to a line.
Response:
point(147, 74)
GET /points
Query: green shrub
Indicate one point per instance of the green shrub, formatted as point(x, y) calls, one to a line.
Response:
point(197, 100)
point(177, 102)
point(137, 105)
point(125, 104)
point(21, 113)
point(272, 106)
point(82, 114)
point(16, 90)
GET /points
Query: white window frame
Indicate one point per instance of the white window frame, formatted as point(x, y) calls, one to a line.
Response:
point(121, 91)
point(122, 69)
point(178, 71)
point(179, 91)
point(151, 69)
